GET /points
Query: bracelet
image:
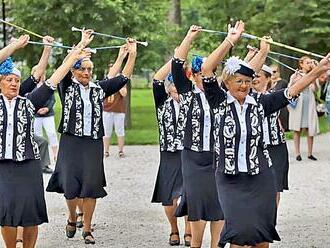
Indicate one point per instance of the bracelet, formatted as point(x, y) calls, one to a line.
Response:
point(286, 94)
point(230, 42)
point(50, 85)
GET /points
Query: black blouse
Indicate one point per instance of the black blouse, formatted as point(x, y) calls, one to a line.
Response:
point(227, 128)
point(192, 127)
point(72, 120)
point(167, 118)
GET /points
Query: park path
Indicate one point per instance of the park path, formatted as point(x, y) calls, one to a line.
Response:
point(126, 218)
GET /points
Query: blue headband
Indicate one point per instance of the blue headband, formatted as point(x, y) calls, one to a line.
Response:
point(8, 67)
point(196, 64)
point(170, 77)
point(77, 65)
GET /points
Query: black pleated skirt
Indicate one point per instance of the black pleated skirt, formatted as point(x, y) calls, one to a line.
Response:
point(249, 207)
point(169, 179)
point(280, 159)
point(200, 198)
point(79, 170)
point(22, 200)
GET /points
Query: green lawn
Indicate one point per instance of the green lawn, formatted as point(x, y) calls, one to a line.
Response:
point(144, 127)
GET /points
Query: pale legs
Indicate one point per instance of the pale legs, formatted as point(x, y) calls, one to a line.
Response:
point(30, 235)
point(310, 142)
point(19, 237)
point(80, 222)
point(197, 230)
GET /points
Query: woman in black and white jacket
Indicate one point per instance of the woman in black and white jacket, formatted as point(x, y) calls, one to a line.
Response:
point(200, 201)
point(79, 170)
point(245, 181)
point(168, 187)
point(22, 201)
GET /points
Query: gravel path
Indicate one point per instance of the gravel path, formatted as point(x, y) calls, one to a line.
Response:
point(126, 218)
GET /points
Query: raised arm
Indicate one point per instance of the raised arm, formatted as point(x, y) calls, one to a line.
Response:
point(277, 100)
point(8, 50)
point(132, 52)
point(219, 54)
point(40, 68)
point(158, 86)
point(182, 51)
point(116, 67)
point(259, 59)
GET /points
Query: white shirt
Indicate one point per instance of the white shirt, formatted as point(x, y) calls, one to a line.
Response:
point(87, 106)
point(10, 107)
point(265, 128)
point(241, 114)
point(207, 120)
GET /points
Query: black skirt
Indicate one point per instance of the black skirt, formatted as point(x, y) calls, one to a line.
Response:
point(280, 159)
point(200, 199)
point(169, 179)
point(22, 200)
point(249, 206)
point(79, 170)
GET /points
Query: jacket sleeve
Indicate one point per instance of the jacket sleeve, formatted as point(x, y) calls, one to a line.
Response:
point(28, 85)
point(113, 85)
point(182, 83)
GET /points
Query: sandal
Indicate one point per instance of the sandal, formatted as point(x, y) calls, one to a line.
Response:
point(187, 242)
point(70, 233)
point(89, 240)
point(121, 154)
point(80, 223)
point(174, 242)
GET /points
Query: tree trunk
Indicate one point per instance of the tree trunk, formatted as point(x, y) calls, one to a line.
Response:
point(175, 12)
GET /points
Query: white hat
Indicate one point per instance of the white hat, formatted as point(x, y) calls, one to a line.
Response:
point(267, 69)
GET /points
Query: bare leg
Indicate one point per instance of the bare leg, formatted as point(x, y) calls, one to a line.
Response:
point(80, 211)
point(263, 245)
point(55, 151)
point(278, 198)
point(121, 143)
point(296, 139)
point(239, 246)
point(216, 227)
point(170, 214)
point(19, 237)
point(72, 205)
point(310, 141)
point(197, 230)
point(187, 228)
point(106, 144)
point(30, 235)
point(9, 236)
point(88, 207)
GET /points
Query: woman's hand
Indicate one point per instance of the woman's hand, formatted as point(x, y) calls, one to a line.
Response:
point(48, 40)
point(21, 42)
point(123, 51)
point(86, 37)
point(234, 33)
point(264, 44)
point(131, 46)
point(193, 32)
point(324, 64)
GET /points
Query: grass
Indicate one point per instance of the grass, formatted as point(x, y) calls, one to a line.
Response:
point(144, 128)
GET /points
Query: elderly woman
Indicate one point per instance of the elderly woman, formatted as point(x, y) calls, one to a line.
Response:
point(22, 200)
point(245, 182)
point(79, 170)
point(274, 136)
point(168, 187)
point(303, 116)
point(200, 201)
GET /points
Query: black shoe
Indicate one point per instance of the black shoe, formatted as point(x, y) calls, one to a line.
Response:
point(311, 157)
point(298, 158)
point(88, 237)
point(47, 170)
point(71, 232)
point(175, 242)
